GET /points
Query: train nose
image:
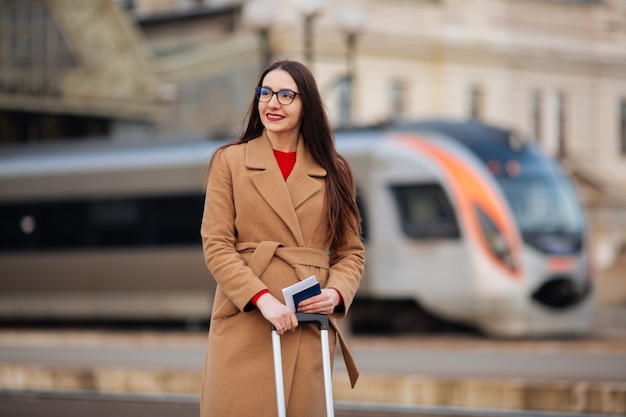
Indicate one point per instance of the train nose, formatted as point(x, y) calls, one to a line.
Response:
point(561, 292)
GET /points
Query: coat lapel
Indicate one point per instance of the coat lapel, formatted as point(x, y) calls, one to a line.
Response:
point(301, 183)
point(283, 197)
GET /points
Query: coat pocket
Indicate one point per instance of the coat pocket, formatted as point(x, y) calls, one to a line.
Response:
point(222, 306)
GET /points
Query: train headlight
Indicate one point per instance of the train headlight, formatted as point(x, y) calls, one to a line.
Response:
point(495, 239)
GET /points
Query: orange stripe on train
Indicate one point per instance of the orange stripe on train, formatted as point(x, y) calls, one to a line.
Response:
point(470, 189)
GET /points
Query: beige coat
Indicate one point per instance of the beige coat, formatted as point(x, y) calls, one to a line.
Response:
point(260, 231)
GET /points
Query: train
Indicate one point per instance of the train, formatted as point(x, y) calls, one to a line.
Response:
point(462, 221)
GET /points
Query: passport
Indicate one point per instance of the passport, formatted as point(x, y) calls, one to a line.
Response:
point(296, 293)
point(306, 293)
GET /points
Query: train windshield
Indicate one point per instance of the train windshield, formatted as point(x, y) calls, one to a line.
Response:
point(543, 203)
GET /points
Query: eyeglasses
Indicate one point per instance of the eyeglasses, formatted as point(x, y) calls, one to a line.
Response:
point(285, 97)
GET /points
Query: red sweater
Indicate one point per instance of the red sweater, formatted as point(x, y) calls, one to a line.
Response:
point(286, 161)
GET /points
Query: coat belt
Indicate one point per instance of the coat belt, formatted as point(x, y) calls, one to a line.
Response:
point(298, 258)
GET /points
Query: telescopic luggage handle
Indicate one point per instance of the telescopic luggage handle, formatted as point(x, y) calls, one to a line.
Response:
point(322, 322)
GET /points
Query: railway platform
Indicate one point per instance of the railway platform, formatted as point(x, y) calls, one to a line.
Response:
point(585, 375)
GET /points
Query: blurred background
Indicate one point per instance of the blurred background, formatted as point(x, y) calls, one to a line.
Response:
point(109, 111)
point(168, 70)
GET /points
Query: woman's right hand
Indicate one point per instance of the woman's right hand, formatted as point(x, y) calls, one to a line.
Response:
point(277, 313)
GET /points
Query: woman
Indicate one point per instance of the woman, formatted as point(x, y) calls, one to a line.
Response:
point(280, 207)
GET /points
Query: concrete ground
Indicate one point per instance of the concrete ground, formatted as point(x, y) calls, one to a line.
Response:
point(64, 365)
point(165, 363)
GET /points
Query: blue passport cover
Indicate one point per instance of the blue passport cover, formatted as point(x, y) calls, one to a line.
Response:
point(306, 293)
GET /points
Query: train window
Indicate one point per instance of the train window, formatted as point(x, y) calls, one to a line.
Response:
point(425, 211)
point(543, 203)
point(103, 223)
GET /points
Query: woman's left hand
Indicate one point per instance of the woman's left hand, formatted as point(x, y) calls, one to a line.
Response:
point(323, 303)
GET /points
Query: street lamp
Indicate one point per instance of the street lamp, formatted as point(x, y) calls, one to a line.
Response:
point(310, 9)
point(258, 15)
point(351, 20)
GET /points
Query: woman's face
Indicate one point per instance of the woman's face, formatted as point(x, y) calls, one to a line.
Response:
point(276, 117)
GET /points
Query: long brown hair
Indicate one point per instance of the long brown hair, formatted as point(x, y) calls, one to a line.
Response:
point(342, 213)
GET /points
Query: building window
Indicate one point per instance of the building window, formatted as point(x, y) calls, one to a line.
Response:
point(476, 99)
point(33, 53)
point(345, 102)
point(360, 202)
point(561, 114)
point(622, 127)
point(536, 114)
point(398, 96)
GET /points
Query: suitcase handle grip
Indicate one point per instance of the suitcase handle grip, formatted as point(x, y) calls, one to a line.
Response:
point(305, 318)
